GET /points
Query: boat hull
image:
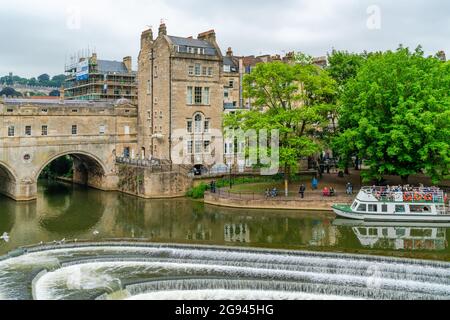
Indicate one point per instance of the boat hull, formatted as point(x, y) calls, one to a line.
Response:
point(391, 217)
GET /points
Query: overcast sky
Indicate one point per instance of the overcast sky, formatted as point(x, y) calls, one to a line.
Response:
point(40, 36)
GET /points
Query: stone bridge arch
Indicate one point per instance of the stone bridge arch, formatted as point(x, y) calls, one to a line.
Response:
point(84, 163)
point(8, 180)
point(94, 166)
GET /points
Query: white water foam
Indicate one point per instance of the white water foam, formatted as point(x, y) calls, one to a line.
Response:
point(348, 271)
point(45, 286)
point(233, 295)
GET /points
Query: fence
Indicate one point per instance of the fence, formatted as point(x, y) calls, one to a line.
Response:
point(309, 196)
point(155, 166)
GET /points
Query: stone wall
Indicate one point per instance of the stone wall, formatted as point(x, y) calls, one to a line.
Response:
point(146, 183)
point(279, 204)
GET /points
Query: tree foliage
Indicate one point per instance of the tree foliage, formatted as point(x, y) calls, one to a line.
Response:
point(293, 99)
point(10, 92)
point(396, 114)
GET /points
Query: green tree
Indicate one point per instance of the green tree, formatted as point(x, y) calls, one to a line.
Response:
point(44, 79)
point(344, 66)
point(293, 99)
point(57, 81)
point(396, 114)
point(33, 82)
point(54, 93)
point(10, 92)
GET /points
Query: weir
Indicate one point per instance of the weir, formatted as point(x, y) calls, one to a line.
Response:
point(90, 270)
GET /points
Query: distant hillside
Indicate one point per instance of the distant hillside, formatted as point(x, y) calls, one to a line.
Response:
point(44, 80)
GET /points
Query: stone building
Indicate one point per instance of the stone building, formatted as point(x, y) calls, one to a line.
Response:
point(35, 133)
point(232, 82)
point(180, 97)
point(101, 80)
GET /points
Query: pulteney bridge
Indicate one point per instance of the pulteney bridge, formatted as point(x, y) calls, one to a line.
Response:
point(33, 134)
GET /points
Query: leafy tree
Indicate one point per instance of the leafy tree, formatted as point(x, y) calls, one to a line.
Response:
point(293, 99)
point(57, 81)
point(61, 167)
point(396, 114)
point(10, 92)
point(54, 93)
point(343, 66)
point(44, 79)
point(33, 82)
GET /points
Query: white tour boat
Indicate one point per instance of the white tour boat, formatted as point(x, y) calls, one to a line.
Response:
point(385, 204)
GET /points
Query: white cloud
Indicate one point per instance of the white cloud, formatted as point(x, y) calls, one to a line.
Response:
point(36, 37)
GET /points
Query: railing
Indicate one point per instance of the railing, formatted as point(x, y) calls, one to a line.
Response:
point(407, 194)
point(154, 165)
point(280, 196)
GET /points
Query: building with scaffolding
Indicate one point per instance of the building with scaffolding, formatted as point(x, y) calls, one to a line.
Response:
point(100, 80)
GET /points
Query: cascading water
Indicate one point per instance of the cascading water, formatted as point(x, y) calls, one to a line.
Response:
point(149, 271)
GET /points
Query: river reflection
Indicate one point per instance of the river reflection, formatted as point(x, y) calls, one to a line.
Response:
point(73, 212)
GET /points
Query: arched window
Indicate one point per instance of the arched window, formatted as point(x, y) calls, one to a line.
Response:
point(198, 119)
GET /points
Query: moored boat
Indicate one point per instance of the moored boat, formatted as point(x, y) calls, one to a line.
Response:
point(397, 204)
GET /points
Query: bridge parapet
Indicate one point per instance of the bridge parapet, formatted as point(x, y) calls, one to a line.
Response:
point(34, 134)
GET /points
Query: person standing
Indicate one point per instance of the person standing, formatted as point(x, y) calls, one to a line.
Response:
point(302, 191)
point(315, 184)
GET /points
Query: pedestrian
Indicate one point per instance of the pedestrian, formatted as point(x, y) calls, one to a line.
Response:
point(302, 191)
point(315, 183)
point(267, 193)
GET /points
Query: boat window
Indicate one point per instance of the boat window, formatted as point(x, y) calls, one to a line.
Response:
point(384, 208)
point(362, 207)
point(355, 204)
point(373, 232)
point(362, 231)
point(400, 209)
point(421, 233)
point(400, 232)
point(420, 209)
point(373, 208)
point(385, 232)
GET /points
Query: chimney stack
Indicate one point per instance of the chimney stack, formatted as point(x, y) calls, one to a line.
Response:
point(146, 37)
point(128, 63)
point(162, 30)
point(62, 97)
point(209, 36)
point(229, 52)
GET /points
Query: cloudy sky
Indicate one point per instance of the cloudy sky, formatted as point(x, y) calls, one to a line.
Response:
point(40, 36)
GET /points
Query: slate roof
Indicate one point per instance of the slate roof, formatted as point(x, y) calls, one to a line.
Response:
point(179, 41)
point(105, 66)
point(184, 43)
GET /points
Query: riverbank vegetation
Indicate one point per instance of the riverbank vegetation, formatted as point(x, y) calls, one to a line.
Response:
point(390, 109)
point(61, 167)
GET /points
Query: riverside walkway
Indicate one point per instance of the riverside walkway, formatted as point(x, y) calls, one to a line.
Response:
point(313, 200)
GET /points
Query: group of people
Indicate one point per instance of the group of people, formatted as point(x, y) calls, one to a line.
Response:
point(397, 193)
point(271, 193)
point(328, 192)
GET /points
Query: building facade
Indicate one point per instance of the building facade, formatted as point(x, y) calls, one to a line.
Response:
point(180, 98)
point(101, 80)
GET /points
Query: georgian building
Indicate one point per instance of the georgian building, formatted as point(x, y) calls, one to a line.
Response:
point(180, 93)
